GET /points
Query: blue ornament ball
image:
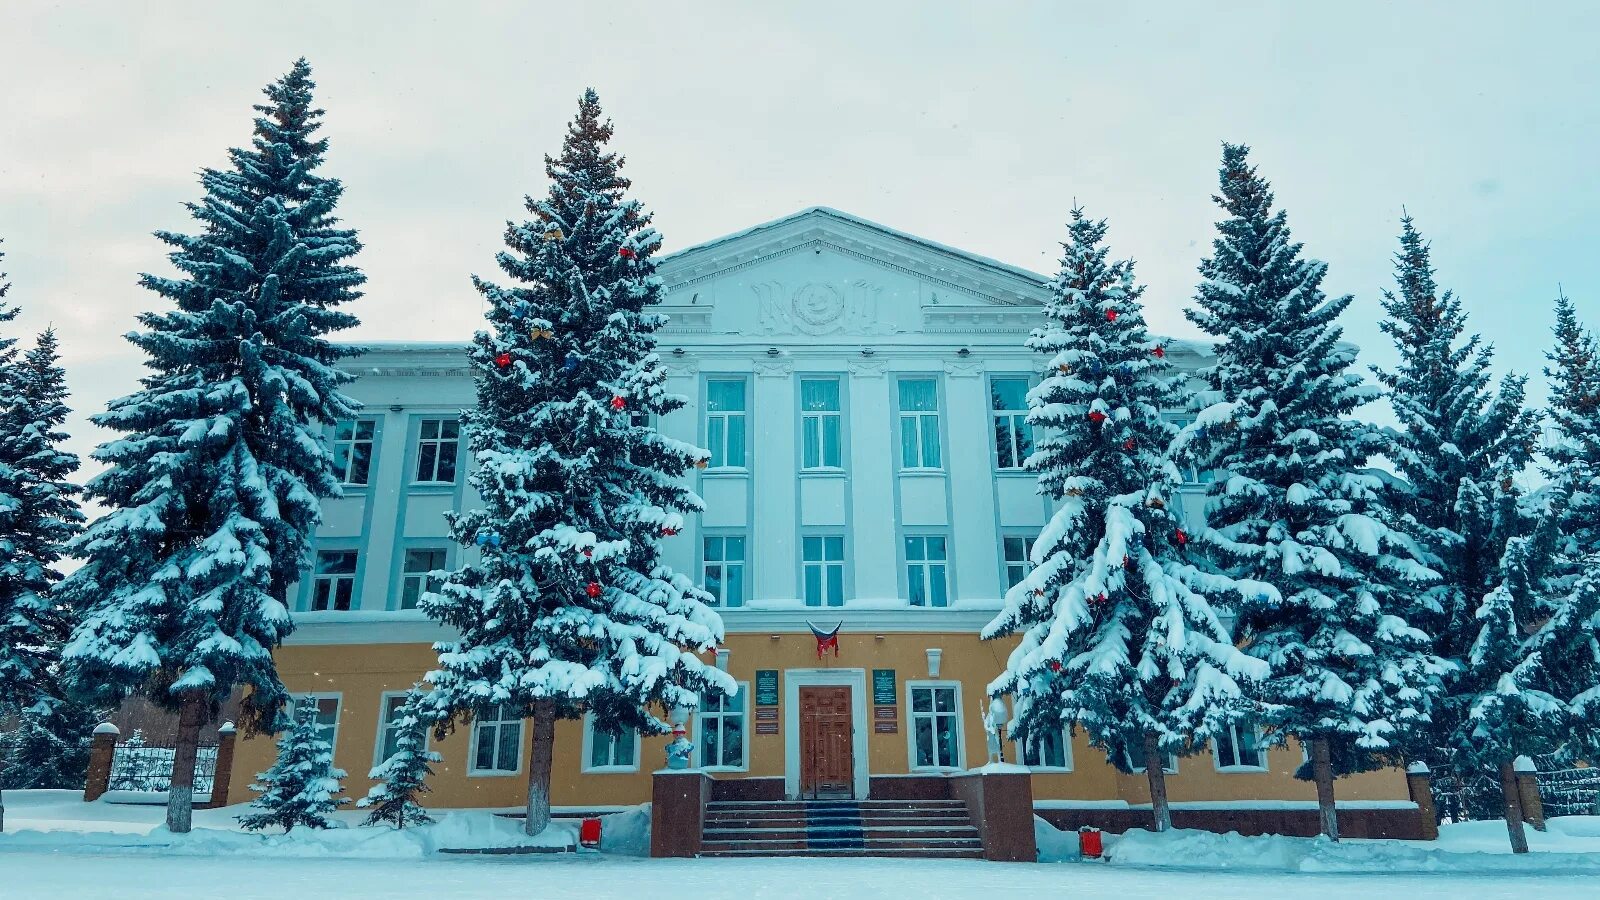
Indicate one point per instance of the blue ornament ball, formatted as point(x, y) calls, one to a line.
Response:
point(570, 363)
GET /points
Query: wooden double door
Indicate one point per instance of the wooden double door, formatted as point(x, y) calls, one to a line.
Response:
point(827, 756)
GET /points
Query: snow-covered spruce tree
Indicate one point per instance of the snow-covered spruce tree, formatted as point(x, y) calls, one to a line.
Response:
point(1457, 432)
point(1294, 509)
point(1118, 631)
point(570, 609)
point(1574, 449)
point(38, 516)
point(403, 776)
point(213, 493)
point(302, 787)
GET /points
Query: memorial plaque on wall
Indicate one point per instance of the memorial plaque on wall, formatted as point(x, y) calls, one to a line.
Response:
point(889, 727)
point(885, 720)
point(885, 691)
point(767, 721)
point(766, 687)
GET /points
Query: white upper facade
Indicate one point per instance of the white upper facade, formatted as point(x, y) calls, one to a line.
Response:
point(860, 390)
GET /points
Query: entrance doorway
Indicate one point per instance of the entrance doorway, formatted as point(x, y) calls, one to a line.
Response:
point(827, 759)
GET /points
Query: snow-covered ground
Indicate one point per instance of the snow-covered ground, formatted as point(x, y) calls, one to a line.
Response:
point(57, 846)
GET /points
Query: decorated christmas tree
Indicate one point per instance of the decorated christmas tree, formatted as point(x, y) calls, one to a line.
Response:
point(213, 492)
point(403, 775)
point(1295, 510)
point(569, 609)
point(302, 787)
point(1118, 630)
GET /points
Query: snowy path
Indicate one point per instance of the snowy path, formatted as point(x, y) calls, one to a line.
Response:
point(35, 876)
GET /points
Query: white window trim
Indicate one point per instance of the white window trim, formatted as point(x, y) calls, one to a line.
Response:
point(1028, 540)
point(744, 564)
point(842, 562)
point(309, 604)
point(911, 728)
point(400, 586)
point(372, 456)
point(994, 414)
point(1139, 769)
point(472, 751)
point(744, 416)
point(588, 747)
point(1066, 755)
point(821, 414)
point(744, 750)
point(416, 448)
point(1261, 753)
point(906, 563)
point(377, 746)
point(900, 414)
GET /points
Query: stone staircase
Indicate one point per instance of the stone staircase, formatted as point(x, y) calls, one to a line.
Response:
point(901, 828)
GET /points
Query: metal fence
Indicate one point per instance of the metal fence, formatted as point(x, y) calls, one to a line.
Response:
point(1563, 791)
point(1569, 791)
point(136, 766)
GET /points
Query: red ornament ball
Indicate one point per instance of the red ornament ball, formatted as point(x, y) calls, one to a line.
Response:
point(1129, 444)
point(1182, 537)
point(1055, 665)
point(1111, 315)
point(503, 360)
point(626, 253)
point(1096, 416)
point(618, 402)
point(588, 552)
point(1160, 352)
point(668, 532)
point(593, 590)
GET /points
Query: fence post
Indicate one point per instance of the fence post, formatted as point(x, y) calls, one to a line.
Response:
point(222, 771)
point(101, 750)
point(1419, 783)
point(1528, 793)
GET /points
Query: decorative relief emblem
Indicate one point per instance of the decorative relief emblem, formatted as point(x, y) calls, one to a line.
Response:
point(818, 308)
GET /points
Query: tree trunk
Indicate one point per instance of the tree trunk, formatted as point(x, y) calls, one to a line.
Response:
point(180, 796)
point(1322, 774)
point(544, 739)
point(2, 812)
point(1508, 787)
point(1155, 773)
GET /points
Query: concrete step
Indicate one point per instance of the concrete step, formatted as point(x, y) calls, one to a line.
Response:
point(800, 834)
point(837, 822)
point(919, 853)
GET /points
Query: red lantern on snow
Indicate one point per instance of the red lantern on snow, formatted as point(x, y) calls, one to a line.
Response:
point(593, 590)
point(1096, 416)
point(503, 360)
point(626, 253)
point(618, 402)
point(1111, 315)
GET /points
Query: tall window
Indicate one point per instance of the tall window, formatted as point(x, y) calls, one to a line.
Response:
point(333, 582)
point(496, 741)
point(926, 562)
point(1135, 761)
point(935, 726)
point(822, 558)
point(722, 729)
point(438, 442)
point(724, 569)
point(352, 450)
point(1239, 749)
point(725, 413)
point(327, 716)
point(1013, 436)
point(919, 423)
point(1048, 750)
point(617, 749)
point(414, 580)
point(820, 421)
point(389, 726)
point(1017, 549)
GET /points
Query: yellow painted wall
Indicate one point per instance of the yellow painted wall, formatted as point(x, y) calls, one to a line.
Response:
point(362, 673)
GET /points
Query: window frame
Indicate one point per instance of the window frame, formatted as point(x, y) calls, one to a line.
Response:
point(1240, 768)
point(822, 565)
point(959, 764)
point(472, 745)
point(585, 765)
point(743, 415)
point(838, 413)
point(743, 563)
point(1013, 415)
point(743, 712)
point(384, 726)
point(308, 597)
point(926, 565)
point(338, 711)
point(1066, 755)
point(900, 416)
point(373, 442)
point(1006, 563)
point(439, 442)
point(1172, 758)
point(415, 545)
point(1191, 476)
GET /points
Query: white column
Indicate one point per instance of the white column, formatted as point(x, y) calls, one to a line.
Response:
point(390, 478)
point(872, 510)
point(773, 515)
point(682, 551)
point(975, 547)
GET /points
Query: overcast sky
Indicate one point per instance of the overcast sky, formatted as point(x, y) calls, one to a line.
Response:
point(974, 125)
